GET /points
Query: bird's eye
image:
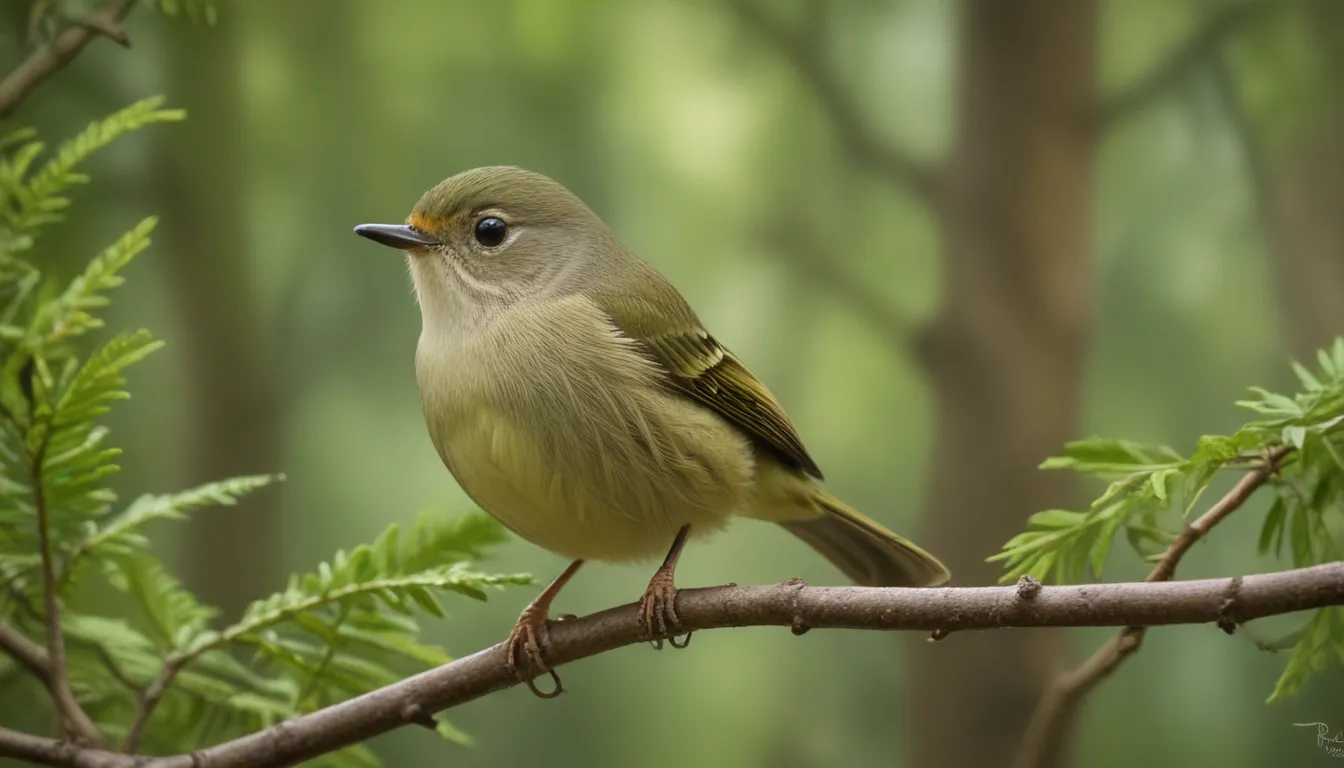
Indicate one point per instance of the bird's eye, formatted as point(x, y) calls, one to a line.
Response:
point(490, 231)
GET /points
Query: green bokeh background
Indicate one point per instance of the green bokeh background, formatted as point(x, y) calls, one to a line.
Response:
point(685, 134)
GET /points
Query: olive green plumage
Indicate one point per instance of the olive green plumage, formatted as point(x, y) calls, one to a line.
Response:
point(577, 397)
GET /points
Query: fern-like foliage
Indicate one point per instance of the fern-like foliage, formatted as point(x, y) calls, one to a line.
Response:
point(32, 198)
point(1152, 489)
point(348, 627)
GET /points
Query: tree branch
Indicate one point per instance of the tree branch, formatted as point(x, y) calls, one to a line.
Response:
point(148, 701)
point(807, 55)
point(61, 50)
point(68, 711)
point(1203, 43)
point(790, 604)
point(1045, 735)
point(27, 653)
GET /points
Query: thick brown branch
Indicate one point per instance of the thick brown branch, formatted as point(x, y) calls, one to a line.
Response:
point(39, 751)
point(790, 604)
point(61, 50)
point(1202, 45)
point(1050, 722)
point(864, 147)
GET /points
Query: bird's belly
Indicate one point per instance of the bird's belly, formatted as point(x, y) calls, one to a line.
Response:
point(558, 426)
point(591, 490)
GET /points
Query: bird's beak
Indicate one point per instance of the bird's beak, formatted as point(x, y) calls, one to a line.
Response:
point(396, 236)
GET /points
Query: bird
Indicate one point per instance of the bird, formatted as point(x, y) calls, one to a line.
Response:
point(576, 397)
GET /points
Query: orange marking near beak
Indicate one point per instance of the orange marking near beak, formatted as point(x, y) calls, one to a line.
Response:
point(420, 222)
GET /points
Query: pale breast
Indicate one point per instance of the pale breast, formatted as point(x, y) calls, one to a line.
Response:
point(555, 424)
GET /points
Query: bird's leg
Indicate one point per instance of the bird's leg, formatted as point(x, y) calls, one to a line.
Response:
point(658, 607)
point(529, 636)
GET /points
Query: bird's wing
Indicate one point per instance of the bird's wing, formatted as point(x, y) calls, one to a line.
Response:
point(698, 366)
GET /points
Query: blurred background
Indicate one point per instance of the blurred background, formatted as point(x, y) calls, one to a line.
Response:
point(949, 236)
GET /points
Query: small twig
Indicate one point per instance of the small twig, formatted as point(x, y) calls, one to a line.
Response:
point(61, 50)
point(805, 53)
point(22, 601)
point(58, 682)
point(148, 701)
point(783, 605)
point(27, 653)
point(311, 685)
point(105, 26)
point(1045, 735)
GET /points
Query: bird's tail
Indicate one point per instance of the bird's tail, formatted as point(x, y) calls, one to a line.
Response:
point(863, 550)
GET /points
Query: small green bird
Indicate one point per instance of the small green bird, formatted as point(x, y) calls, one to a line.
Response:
point(575, 396)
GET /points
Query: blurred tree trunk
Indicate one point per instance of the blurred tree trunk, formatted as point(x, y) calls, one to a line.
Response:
point(231, 556)
point(1006, 354)
point(1307, 198)
point(1299, 188)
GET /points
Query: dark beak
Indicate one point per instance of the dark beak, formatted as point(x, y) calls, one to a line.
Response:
point(396, 236)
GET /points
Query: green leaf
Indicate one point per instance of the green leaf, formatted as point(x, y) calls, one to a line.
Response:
point(1101, 546)
point(450, 732)
point(1295, 435)
point(1301, 538)
point(1105, 457)
point(1272, 404)
point(70, 314)
point(100, 381)
point(393, 643)
point(1321, 642)
point(1271, 533)
point(121, 533)
point(176, 618)
point(1309, 381)
point(39, 201)
point(438, 538)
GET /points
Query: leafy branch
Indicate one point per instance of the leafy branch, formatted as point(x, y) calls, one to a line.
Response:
point(790, 604)
point(165, 679)
point(1293, 447)
point(349, 590)
point(50, 57)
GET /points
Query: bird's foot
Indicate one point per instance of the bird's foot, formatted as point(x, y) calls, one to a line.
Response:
point(658, 610)
point(525, 645)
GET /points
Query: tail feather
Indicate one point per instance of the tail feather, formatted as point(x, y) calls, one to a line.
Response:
point(866, 552)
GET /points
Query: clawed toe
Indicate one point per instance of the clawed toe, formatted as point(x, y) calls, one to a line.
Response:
point(525, 656)
point(525, 648)
point(658, 611)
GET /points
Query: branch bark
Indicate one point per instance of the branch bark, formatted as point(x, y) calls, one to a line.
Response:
point(1045, 735)
point(1006, 352)
point(27, 653)
point(61, 50)
point(808, 56)
point(790, 604)
point(148, 701)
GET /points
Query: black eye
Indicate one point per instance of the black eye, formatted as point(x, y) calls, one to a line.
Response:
point(490, 231)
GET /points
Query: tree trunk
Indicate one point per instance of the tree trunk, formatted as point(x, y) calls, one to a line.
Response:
point(231, 556)
point(1006, 354)
point(1307, 195)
